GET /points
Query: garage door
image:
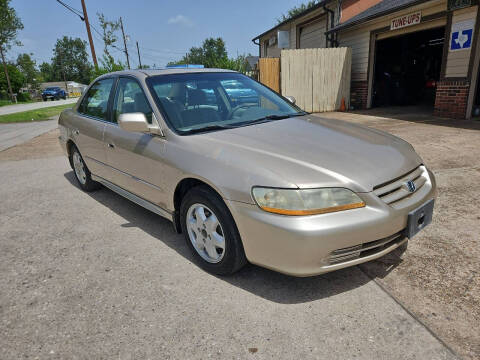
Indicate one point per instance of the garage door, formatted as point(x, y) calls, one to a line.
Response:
point(313, 35)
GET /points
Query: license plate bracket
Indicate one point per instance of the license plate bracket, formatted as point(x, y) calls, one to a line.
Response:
point(419, 218)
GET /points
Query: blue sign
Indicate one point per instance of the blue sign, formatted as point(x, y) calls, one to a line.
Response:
point(462, 35)
point(185, 66)
point(461, 39)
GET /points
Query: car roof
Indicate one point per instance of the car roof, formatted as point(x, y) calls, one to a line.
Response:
point(155, 72)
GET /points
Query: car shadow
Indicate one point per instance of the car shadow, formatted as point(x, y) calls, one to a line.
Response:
point(259, 281)
point(381, 267)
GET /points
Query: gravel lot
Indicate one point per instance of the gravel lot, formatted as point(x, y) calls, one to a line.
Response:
point(438, 277)
point(95, 276)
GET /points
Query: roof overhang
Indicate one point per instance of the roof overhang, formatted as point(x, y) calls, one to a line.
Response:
point(302, 14)
point(357, 20)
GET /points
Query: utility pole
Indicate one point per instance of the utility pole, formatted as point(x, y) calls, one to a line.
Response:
point(139, 61)
point(63, 72)
point(125, 42)
point(87, 24)
point(6, 72)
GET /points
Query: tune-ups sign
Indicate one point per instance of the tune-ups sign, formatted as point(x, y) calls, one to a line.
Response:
point(406, 20)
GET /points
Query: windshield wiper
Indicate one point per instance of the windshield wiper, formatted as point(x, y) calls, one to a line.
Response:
point(208, 128)
point(279, 117)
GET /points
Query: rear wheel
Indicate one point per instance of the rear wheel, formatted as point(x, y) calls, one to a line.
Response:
point(210, 232)
point(82, 174)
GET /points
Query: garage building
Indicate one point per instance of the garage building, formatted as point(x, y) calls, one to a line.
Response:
point(404, 52)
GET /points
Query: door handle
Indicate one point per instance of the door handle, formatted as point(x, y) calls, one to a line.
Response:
point(111, 146)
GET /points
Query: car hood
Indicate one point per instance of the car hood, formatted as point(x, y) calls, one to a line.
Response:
point(309, 152)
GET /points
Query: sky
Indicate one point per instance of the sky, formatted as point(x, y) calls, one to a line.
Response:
point(165, 29)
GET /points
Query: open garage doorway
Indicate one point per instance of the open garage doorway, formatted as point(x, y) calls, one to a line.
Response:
point(407, 69)
point(476, 101)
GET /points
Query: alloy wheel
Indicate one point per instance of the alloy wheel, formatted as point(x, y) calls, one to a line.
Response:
point(205, 233)
point(79, 168)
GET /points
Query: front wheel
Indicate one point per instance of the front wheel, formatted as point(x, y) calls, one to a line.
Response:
point(210, 232)
point(82, 174)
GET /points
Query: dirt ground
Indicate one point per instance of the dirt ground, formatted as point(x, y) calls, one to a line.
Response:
point(438, 278)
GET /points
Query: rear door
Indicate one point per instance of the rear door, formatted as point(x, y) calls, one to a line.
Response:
point(89, 125)
point(135, 159)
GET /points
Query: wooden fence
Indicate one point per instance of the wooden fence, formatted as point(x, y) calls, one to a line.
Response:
point(317, 78)
point(270, 72)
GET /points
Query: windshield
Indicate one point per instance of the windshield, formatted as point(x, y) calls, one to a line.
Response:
point(194, 102)
point(52, 89)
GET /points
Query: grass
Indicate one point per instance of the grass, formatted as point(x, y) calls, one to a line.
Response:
point(8, 102)
point(34, 115)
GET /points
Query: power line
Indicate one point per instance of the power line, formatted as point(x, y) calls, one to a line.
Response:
point(73, 10)
point(84, 17)
point(164, 50)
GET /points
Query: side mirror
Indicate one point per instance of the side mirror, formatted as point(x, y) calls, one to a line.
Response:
point(133, 122)
point(291, 99)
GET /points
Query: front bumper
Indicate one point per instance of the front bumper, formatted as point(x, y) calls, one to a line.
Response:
point(306, 245)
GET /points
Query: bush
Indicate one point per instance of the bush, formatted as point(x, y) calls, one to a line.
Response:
point(23, 97)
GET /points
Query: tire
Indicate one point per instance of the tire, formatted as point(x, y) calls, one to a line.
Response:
point(231, 257)
point(82, 174)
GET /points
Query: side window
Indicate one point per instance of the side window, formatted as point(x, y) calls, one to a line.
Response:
point(95, 102)
point(130, 98)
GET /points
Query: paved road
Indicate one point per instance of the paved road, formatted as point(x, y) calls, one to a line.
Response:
point(96, 276)
point(10, 109)
point(18, 133)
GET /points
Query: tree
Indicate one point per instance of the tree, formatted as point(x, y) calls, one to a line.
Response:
point(70, 61)
point(28, 67)
point(212, 53)
point(109, 37)
point(15, 77)
point(108, 65)
point(10, 24)
point(296, 10)
point(46, 72)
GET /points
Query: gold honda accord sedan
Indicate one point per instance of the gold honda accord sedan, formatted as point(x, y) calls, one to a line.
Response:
point(244, 173)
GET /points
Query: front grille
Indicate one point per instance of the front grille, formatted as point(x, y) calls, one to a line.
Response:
point(363, 250)
point(397, 190)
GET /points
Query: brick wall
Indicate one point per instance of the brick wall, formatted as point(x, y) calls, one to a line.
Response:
point(451, 99)
point(359, 94)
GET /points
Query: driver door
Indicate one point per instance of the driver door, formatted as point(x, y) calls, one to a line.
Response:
point(135, 159)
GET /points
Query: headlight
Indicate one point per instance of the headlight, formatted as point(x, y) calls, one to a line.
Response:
point(299, 202)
